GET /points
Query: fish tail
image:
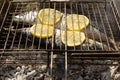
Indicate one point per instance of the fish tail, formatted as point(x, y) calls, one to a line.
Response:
point(113, 44)
point(10, 28)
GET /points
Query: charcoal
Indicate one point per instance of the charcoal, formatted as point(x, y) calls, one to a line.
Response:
point(117, 76)
point(90, 72)
point(34, 66)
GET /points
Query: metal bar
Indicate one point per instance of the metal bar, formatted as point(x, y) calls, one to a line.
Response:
point(48, 27)
point(62, 24)
point(65, 45)
point(103, 26)
point(5, 15)
point(66, 69)
point(26, 41)
point(36, 23)
point(115, 16)
point(115, 4)
point(73, 58)
point(97, 55)
point(95, 58)
point(9, 26)
point(78, 19)
point(71, 7)
point(75, 7)
point(94, 64)
point(2, 6)
point(53, 37)
point(65, 25)
point(95, 17)
point(91, 24)
point(111, 32)
point(82, 9)
point(69, 51)
point(51, 66)
point(27, 60)
point(15, 26)
point(21, 35)
point(39, 46)
point(75, 70)
point(33, 39)
point(83, 1)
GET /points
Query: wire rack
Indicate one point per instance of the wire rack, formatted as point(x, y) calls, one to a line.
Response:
point(100, 19)
point(60, 60)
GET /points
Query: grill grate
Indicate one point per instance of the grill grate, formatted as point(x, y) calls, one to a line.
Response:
point(71, 60)
point(100, 19)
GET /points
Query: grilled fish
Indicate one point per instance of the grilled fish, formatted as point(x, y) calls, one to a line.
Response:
point(99, 45)
point(27, 17)
point(30, 16)
point(94, 33)
point(90, 31)
point(57, 40)
point(43, 41)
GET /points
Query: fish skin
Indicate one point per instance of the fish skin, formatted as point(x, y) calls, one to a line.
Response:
point(99, 36)
point(90, 30)
point(27, 17)
point(99, 45)
point(57, 37)
point(94, 32)
point(26, 33)
point(57, 40)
